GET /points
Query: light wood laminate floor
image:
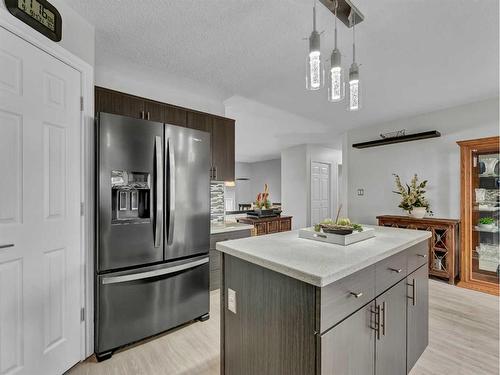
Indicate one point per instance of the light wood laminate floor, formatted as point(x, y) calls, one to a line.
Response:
point(464, 340)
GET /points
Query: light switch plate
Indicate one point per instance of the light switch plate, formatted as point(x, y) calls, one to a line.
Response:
point(231, 300)
point(361, 192)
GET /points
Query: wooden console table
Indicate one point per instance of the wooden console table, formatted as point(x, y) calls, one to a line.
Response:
point(268, 225)
point(443, 245)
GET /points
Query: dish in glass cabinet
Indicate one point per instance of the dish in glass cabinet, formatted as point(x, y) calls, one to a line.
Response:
point(489, 167)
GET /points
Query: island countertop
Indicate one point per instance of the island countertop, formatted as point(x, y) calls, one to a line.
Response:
point(319, 263)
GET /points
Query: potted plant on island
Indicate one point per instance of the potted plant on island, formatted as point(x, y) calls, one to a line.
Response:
point(413, 200)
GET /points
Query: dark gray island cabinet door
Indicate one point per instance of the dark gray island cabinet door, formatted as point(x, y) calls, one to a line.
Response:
point(348, 348)
point(390, 347)
point(418, 315)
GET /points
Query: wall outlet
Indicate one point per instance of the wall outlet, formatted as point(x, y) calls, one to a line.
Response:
point(231, 300)
point(361, 192)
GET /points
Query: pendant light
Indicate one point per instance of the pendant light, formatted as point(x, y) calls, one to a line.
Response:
point(354, 102)
point(314, 67)
point(336, 84)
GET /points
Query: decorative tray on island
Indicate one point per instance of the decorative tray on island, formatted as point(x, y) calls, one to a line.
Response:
point(338, 239)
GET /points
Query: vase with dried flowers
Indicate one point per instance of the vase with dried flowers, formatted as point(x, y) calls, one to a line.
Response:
point(413, 200)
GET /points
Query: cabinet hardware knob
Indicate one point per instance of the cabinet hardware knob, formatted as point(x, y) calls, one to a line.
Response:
point(422, 255)
point(357, 295)
point(397, 270)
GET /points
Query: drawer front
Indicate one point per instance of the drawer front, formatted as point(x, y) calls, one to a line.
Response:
point(135, 304)
point(273, 226)
point(389, 271)
point(343, 297)
point(418, 255)
point(285, 225)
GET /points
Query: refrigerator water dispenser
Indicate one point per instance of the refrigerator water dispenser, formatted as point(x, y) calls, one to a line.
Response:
point(131, 194)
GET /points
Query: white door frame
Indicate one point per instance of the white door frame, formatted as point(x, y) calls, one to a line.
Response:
point(334, 189)
point(18, 28)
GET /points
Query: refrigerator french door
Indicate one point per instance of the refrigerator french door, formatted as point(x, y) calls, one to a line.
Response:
point(153, 228)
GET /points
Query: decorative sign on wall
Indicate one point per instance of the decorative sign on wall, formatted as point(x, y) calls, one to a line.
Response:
point(40, 15)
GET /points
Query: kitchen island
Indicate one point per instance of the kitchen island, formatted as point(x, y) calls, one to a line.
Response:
point(295, 306)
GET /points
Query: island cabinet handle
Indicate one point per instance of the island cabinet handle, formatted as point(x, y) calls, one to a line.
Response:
point(357, 295)
point(413, 296)
point(397, 270)
point(422, 255)
point(376, 313)
point(384, 318)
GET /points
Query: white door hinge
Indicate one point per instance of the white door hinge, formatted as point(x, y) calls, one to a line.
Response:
point(82, 314)
point(81, 103)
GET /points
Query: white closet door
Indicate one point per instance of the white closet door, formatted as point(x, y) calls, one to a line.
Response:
point(40, 295)
point(320, 192)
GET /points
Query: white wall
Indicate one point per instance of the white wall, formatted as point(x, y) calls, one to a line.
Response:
point(267, 172)
point(437, 160)
point(294, 186)
point(78, 36)
point(260, 173)
point(296, 180)
point(263, 131)
point(157, 85)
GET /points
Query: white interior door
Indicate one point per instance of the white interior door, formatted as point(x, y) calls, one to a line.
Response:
point(320, 192)
point(40, 297)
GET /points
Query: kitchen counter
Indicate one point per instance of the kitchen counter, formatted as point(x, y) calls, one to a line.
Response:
point(319, 263)
point(229, 227)
point(302, 307)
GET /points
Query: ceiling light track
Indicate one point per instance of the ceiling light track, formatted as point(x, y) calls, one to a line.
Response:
point(345, 7)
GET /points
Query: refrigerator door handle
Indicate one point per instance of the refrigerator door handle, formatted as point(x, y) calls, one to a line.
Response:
point(159, 193)
point(171, 179)
point(153, 273)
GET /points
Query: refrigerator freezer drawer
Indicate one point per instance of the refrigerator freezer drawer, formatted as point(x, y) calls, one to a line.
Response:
point(139, 304)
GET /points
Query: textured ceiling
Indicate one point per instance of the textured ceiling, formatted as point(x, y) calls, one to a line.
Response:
point(416, 55)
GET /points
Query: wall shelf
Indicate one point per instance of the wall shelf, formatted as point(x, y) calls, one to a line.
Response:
point(400, 139)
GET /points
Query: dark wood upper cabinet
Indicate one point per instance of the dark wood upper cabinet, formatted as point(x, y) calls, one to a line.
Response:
point(110, 101)
point(175, 116)
point(200, 121)
point(221, 129)
point(223, 149)
point(154, 111)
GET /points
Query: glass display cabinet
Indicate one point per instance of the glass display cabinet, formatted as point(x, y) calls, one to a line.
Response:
point(480, 211)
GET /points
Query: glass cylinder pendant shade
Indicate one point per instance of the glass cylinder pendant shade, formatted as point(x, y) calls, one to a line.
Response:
point(336, 84)
point(354, 96)
point(314, 66)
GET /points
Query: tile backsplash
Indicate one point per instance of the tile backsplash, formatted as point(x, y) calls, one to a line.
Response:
point(217, 202)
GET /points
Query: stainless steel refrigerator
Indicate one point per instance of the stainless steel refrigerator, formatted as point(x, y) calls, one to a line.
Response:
point(153, 229)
